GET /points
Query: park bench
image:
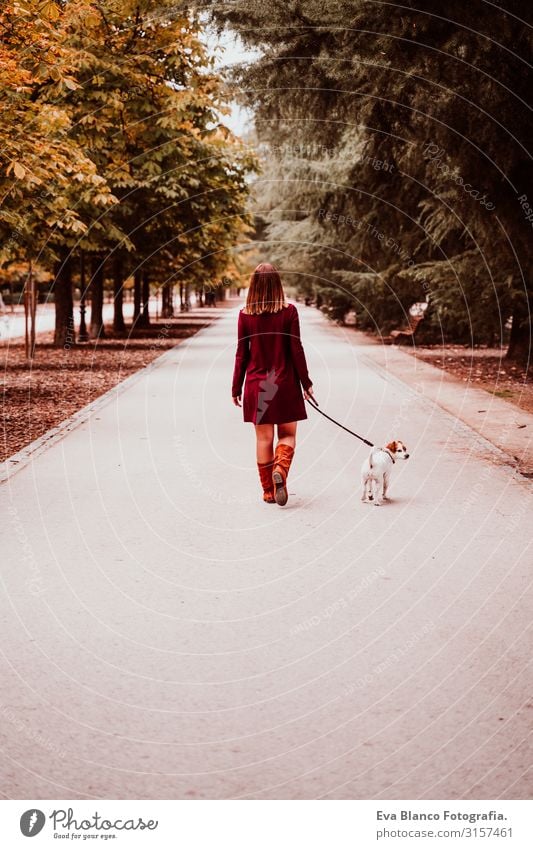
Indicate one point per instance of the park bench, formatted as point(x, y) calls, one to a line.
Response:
point(408, 332)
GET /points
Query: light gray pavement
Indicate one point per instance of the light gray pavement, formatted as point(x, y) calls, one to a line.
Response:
point(168, 635)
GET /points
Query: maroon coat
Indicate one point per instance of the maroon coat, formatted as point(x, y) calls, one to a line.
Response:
point(271, 356)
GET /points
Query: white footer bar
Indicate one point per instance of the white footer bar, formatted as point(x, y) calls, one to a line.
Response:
point(205, 824)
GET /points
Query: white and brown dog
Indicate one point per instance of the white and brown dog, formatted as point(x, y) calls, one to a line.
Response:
point(375, 473)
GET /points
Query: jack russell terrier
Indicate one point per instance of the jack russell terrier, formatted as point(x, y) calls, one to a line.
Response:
point(375, 473)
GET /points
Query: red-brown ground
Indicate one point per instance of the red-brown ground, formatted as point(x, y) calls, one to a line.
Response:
point(484, 368)
point(61, 382)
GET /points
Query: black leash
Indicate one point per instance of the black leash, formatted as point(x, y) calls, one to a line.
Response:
point(347, 429)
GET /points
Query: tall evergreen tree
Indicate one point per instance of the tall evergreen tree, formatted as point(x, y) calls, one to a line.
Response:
point(421, 124)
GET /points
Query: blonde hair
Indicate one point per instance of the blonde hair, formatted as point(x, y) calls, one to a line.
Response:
point(266, 291)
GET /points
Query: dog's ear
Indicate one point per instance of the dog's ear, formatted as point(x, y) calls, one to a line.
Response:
point(392, 447)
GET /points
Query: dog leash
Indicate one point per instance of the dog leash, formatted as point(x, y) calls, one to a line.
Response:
point(347, 429)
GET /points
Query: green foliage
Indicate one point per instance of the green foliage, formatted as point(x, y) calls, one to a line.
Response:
point(466, 303)
point(415, 125)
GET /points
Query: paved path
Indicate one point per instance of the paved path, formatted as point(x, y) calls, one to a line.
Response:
point(168, 635)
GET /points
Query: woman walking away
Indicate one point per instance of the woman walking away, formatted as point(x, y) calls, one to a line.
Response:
point(271, 357)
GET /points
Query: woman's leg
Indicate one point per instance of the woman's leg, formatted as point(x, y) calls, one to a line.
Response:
point(287, 433)
point(264, 435)
point(283, 459)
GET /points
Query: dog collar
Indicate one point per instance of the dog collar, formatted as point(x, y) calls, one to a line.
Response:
point(386, 450)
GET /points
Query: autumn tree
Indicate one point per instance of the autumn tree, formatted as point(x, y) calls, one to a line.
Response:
point(147, 112)
point(152, 182)
point(43, 173)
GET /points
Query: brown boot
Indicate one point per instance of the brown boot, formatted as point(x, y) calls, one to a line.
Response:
point(265, 476)
point(282, 463)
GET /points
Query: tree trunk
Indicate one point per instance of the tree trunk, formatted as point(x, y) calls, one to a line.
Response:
point(64, 307)
point(519, 349)
point(185, 304)
point(167, 307)
point(33, 309)
point(144, 320)
point(83, 335)
point(136, 295)
point(96, 327)
point(118, 290)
